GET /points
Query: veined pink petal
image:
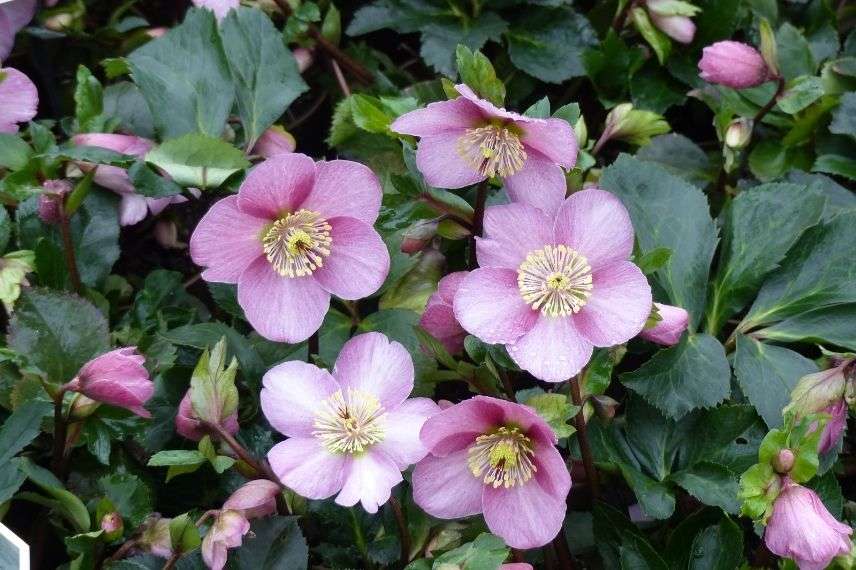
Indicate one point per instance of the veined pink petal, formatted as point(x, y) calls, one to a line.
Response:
point(369, 479)
point(456, 427)
point(292, 393)
point(440, 321)
point(733, 64)
point(345, 188)
point(19, 99)
point(511, 232)
point(448, 286)
point(280, 308)
point(304, 465)
point(618, 307)
point(371, 363)
point(553, 350)
point(117, 378)
point(358, 262)
point(226, 241)
point(553, 139)
point(441, 164)
point(489, 306)
point(277, 186)
point(438, 118)
point(527, 419)
point(132, 207)
point(445, 488)
point(596, 224)
point(158, 205)
point(488, 109)
point(401, 441)
point(541, 184)
point(516, 566)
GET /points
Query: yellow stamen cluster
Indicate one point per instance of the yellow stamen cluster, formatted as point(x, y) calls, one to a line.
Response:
point(297, 244)
point(350, 423)
point(555, 280)
point(492, 150)
point(502, 458)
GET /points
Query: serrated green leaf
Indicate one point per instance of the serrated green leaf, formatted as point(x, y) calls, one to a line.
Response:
point(477, 72)
point(278, 543)
point(712, 484)
point(800, 93)
point(148, 183)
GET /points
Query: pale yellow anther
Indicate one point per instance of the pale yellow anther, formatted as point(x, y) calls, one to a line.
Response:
point(296, 244)
point(492, 150)
point(350, 422)
point(556, 280)
point(502, 458)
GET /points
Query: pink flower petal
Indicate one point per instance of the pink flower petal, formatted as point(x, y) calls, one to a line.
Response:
point(369, 479)
point(438, 118)
point(489, 306)
point(401, 441)
point(439, 320)
point(277, 186)
point(345, 188)
point(511, 232)
point(596, 224)
point(618, 307)
point(673, 322)
point(292, 393)
point(132, 208)
point(553, 351)
point(445, 488)
point(439, 161)
point(448, 286)
point(358, 262)
point(14, 15)
point(19, 99)
point(124, 144)
point(456, 427)
point(280, 308)
point(540, 184)
point(371, 363)
point(554, 139)
point(226, 241)
point(304, 465)
point(488, 109)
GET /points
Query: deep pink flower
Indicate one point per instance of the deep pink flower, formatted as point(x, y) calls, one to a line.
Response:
point(498, 458)
point(219, 7)
point(466, 140)
point(296, 233)
point(254, 499)
point(19, 99)
point(133, 207)
point(672, 324)
point(551, 288)
point(351, 432)
point(227, 532)
point(275, 140)
point(439, 316)
point(733, 64)
point(801, 528)
point(117, 378)
point(14, 15)
point(187, 424)
point(834, 426)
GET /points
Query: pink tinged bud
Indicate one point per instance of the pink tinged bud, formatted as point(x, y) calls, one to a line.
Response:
point(668, 330)
point(733, 64)
point(274, 141)
point(112, 525)
point(304, 58)
point(83, 407)
point(54, 191)
point(801, 528)
point(784, 461)
point(739, 133)
point(834, 426)
point(187, 425)
point(255, 499)
point(227, 532)
point(155, 538)
point(818, 392)
point(418, 236)
point(679, 28)
point(117, 378)
point(439, 317)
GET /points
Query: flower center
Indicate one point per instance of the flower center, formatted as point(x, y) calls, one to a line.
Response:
point(297, 244)
point(492, 150)
point(350, 423)
point(556, 280)
point(502, 458)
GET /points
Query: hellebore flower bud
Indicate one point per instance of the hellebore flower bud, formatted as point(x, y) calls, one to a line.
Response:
point(188, 425)
point(166, 234)
point(834, 426)
point(784, 461)
point(227, 532)
point(117, 378)
point(817, 392)
point(733, 64)
point(112, 525)
point(275, 140)
point(633, 125)
point(668, 330)
point(255, 499)
point(49, 200)
point(739, 133)
point(418, 236)
point(303, 57)
point(679, 28)
point(439, 316)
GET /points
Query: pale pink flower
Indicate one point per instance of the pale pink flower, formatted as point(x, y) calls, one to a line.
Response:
point(227, 532)
point(498, 458)
point(117, 378)
point(219, 7)
point(275, 140)
point(254, 499)
point(551, 288)
point(352, 431)
point(439, 316)
point(14, 15)
point(467, 140)
point(133, 207)
point(834, 426)
point(801, 528)
point(187, 424)
point(19, 99)
point(296, 233)
point(672, 324)
point(733, 64)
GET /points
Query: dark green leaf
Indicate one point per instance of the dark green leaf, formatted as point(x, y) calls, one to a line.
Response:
point(795, 57)
point(88, 102)
point(14, 152)
point(827, 325)
point(844, 117)
point(680, 156)
point(614, 533)
point(836, 164)
point(21, 428)
point(486, 552)
point(441, 37)
point(278, 544)
point(131, 496)
point(800, 93)
point(148, 183)
point(710, 483)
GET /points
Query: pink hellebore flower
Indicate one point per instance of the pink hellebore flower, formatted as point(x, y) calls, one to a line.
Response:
point(219, 7)
point(19, 99)
point(467, 140)
point(801, 528)
point(133, 207)
point(439, 316)
point(296, 233)
point(187, 424)
point(14, 15)
point(275, 140)
point(733, 64)
point(834, 426)
point(672, 324)
point(351, 432)
point(227, 532)
point(117, 378)
point(551, 288)
point(498, 458)
point(255, 499)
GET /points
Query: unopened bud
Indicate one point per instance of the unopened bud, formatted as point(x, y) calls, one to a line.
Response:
point(784, 461)
point(304, 58)
point(112, 525)
point(83, 407)
point(418, 236)
point(739, 133)
point(59, 22)
point(581, 130)
point(53, 193)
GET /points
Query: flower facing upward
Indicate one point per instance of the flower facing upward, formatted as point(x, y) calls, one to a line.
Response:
point(117, 378)
point(733, 64)
point(466, 140)
point(296, 233)
point(19, 99)
point(439, 316)
point(552, 288)
point(498, 458)
point(801, 528)
point(351, 431)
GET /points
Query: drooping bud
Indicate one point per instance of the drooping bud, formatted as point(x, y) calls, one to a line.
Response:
point(418, 236)
point(83, 407)
point(784, 461)
point(112, 525)
point(667, 326)
point(188, 425)
point(672, 17)
point(254, 499)
point(117, 378)
point(49, 200)
point(769, 50)
point(166, 234)
point(213, 394)
point(227, 532)
point(733, 64)
point(739, 133)
point(816, 392)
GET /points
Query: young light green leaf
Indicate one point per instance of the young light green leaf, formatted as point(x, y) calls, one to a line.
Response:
point(477, 72)
point(198, 160)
